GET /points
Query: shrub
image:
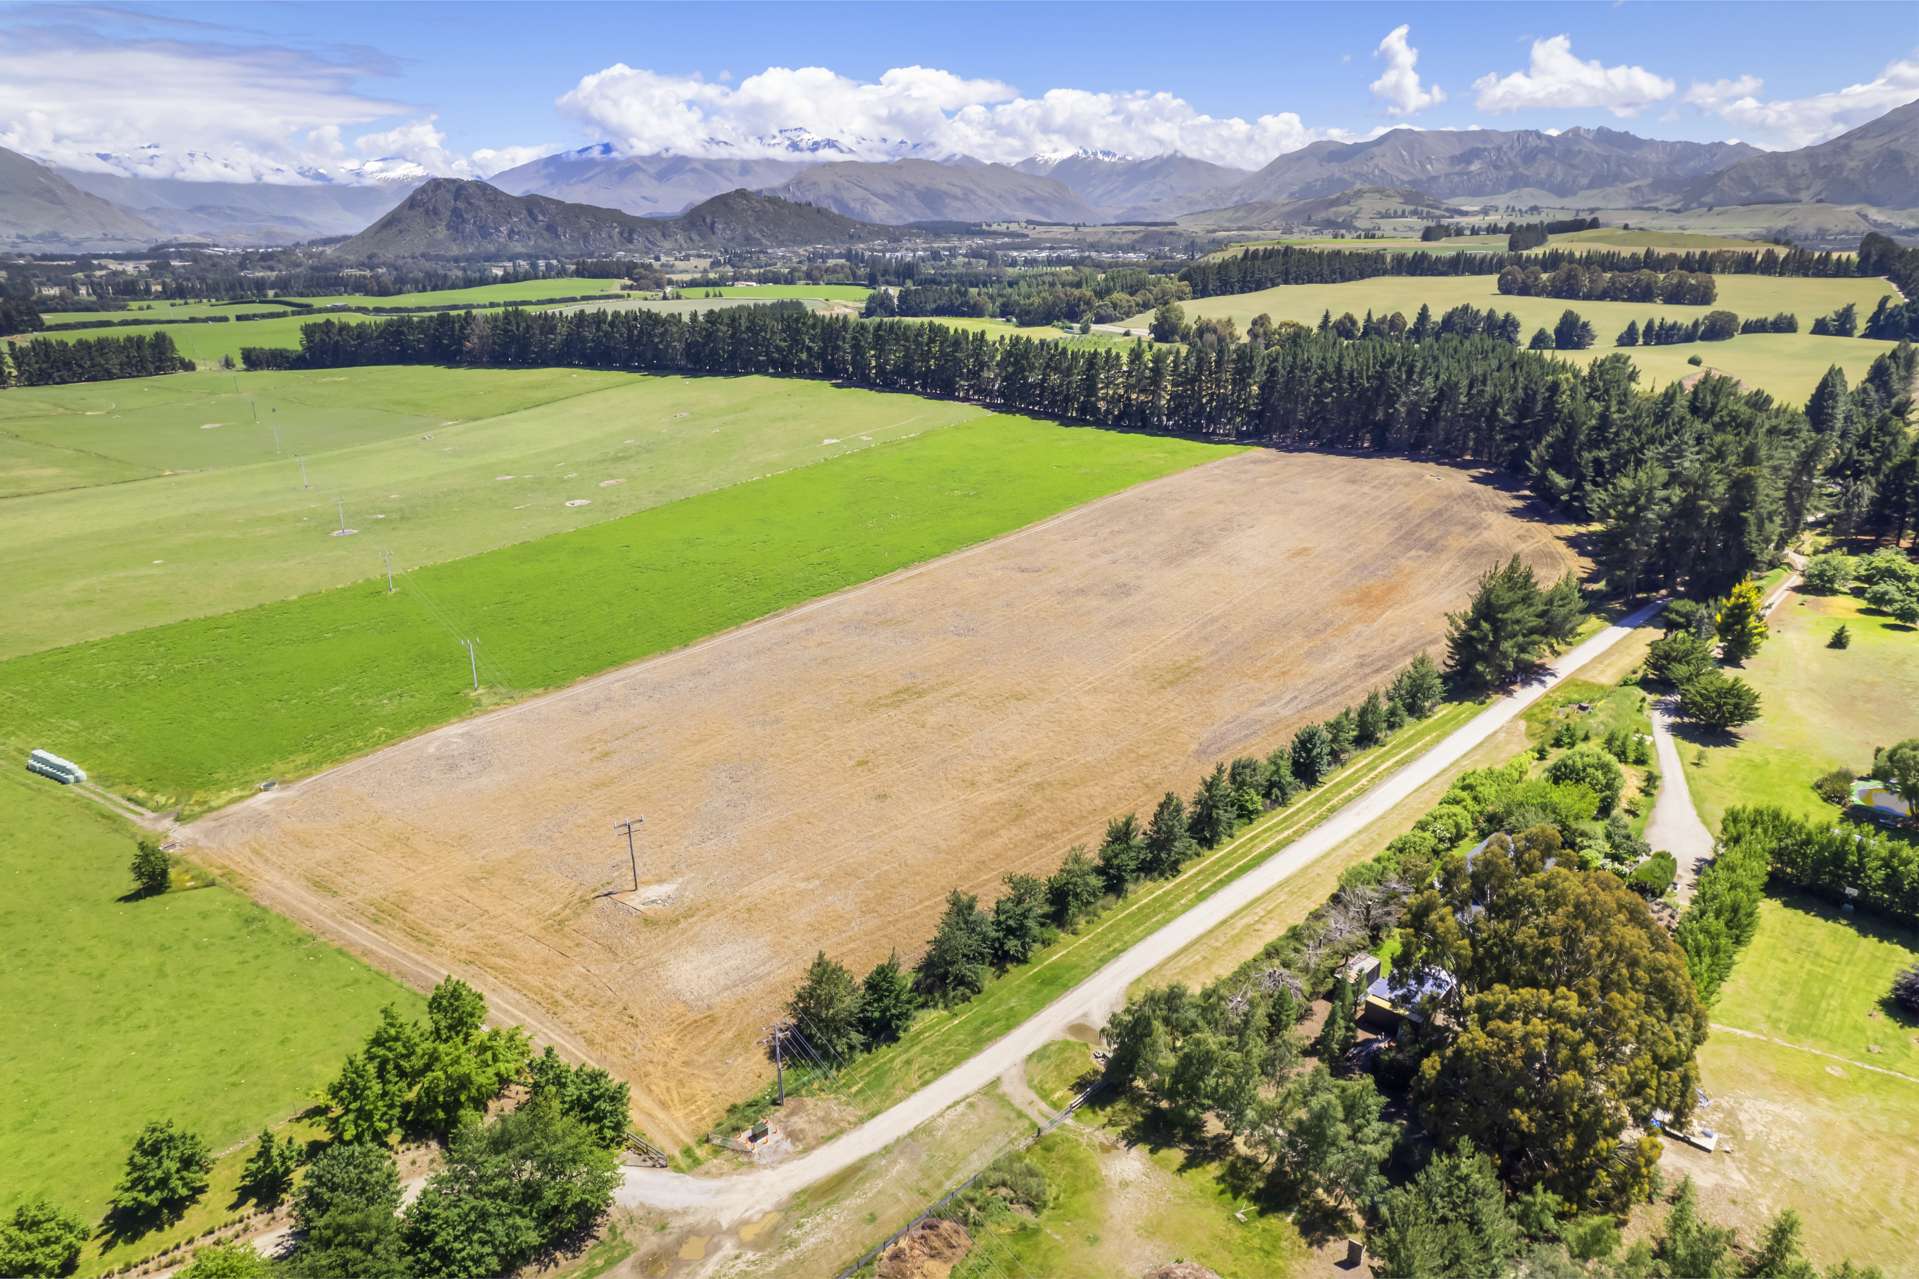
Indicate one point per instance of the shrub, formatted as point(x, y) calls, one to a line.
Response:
point(1828, 574)
point(1652, 877)
point(1835, 787)
point(1905, 989)
point(152, 868)
point(1841, 638)
point(1597, 771)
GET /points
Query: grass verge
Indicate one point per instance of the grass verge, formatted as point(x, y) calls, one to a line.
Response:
point(196, 1006)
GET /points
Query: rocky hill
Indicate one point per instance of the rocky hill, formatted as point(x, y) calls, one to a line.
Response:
point(453, 218)
point(1876, 163)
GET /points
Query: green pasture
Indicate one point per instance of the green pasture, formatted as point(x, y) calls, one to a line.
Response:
point(1792, 377)
point(1384, 244)
point(1820, 709)
point(164, 498)
point(1117, 1206)
point(163, 310)
point(674, 306)
point(197, 712)
point(1789, 365)
point(196, 1006)
point(1823, 1109)
point(780, 292)
point(204, 344)
point(478, 295)
point(1819, 978)
point(1609, 237)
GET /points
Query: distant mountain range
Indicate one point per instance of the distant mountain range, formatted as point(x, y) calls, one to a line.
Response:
point(1475, 163)
point(246, 213)
point(1875, 165)
point(651, 185)
point(1341, 209)
point(452, 218)
point(903, 191)
point(1129, 188)
point(39, 208)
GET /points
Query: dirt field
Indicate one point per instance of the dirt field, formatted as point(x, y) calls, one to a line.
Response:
point(822, 778)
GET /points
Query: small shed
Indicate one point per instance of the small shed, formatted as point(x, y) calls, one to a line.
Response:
point(1361, 970)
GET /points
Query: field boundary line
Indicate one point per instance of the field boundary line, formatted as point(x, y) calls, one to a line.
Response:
point(589, 683)
point(1817, 1052)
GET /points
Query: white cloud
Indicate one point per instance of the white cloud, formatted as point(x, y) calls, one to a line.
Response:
point(137, 96)
point(912, 111)
point(1556, 79)
point(1798, 122)
point(1398, 86)
point(1713, 94)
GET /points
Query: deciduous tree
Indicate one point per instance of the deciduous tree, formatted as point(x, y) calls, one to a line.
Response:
point(39, 1240)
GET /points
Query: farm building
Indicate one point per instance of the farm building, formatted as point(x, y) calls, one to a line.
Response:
point(1384, 1009)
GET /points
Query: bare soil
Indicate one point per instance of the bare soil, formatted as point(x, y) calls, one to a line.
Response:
point(821, 779)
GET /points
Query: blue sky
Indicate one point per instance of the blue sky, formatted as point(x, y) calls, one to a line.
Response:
point(236, 89)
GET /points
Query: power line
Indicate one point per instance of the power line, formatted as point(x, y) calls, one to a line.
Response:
point(631, 856)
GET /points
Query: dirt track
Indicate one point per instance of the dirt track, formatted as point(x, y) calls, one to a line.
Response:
point(821, 779)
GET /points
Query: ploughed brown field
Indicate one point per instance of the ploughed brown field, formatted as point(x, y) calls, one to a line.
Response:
point(820, 779)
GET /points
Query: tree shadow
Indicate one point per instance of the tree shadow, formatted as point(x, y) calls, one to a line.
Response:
point(1695, 734)
point(122, 1226)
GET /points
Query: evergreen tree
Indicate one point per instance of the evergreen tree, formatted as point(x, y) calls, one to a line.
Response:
point(39, 1240)
point(269, 1170)
point(1741, 623)
point(1169, 845)
point(1122, 854)
point(1718, 701)
point(1561, 609)
point(1215, 810)
point(1020, 924)
point(1312, 755)
point(1451, 1219)
point(1369, 721)
point(1418, 688)
point(1281, 785)
point(1500, 632)
point(1338, 1034)
point(887, 1001)
point(826, 1008)
point(166, 1170)
point(954, 967)
point(1073, 891)
point(1688, 1244)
